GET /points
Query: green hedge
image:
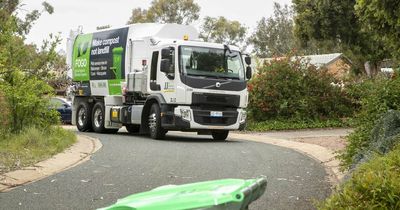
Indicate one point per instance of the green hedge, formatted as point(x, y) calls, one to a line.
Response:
point(296, 124)
point(374, 185)
point(293, 90)
point(376, 97)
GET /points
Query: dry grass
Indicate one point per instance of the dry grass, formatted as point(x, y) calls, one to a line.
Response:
point(31, 146)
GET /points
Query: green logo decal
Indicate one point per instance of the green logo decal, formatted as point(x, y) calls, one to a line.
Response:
point(81, 58)
point(117, 61)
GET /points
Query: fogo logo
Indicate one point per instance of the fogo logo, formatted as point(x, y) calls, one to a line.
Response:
point(81, 61)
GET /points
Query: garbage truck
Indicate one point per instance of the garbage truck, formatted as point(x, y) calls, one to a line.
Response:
point(154, 78)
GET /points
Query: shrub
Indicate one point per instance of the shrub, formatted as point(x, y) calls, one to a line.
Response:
point(284, 89)
point(3, 116)
point(27, 100)
point(377, 97)
point(374, 185)
point(383, 137)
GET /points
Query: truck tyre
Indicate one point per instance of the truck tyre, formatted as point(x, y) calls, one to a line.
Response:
point(156, 131)
point(98, 118)
point(84, 117)
point(131, 128)
point(220, 135)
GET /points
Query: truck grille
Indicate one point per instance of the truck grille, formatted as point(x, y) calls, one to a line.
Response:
point(215, 99)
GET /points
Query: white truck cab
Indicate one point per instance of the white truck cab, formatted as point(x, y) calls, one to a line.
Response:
point(152, 78)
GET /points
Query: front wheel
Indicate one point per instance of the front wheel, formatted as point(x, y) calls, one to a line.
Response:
point(220, 135)
point(156, 131)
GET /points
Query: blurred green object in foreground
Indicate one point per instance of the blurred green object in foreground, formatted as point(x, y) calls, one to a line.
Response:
point(232, 194)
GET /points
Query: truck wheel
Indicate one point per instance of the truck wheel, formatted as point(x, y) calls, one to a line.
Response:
point(84, 117)
point(220, 135)
point(98, 119)
point(156, 131)
point(131, 128)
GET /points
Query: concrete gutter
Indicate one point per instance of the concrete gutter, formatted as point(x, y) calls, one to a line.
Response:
point(73, 156)
point(325, 156)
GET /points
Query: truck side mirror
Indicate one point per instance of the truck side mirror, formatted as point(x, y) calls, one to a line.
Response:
point(248, 72)
point(165, 66)
point(247, 59)
point(166, 53)
point(167, 62)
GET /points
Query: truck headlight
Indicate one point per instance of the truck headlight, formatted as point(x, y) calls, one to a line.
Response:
point(185, 114)
point(243, 116)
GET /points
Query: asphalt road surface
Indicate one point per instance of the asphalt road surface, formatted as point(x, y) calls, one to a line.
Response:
point(128, 164)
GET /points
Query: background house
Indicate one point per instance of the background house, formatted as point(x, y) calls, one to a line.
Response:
point(336, 63)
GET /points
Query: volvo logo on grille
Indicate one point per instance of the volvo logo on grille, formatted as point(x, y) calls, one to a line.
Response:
point(217, 84)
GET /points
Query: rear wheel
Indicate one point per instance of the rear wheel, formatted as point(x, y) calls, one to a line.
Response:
point(154, 120)
point(98, 119)
point(220, 135)
point(84, 117)
point(131, 128)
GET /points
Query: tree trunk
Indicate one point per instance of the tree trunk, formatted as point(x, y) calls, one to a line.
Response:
point(371, 69)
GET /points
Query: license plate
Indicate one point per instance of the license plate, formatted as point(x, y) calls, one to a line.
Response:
point(215, 114)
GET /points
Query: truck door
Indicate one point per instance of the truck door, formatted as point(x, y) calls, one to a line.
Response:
point(167, 76)
point(153, 72)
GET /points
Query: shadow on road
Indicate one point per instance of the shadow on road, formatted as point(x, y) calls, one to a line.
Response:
point(182, 137)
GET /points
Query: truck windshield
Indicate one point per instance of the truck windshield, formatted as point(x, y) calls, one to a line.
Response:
point(211, 62)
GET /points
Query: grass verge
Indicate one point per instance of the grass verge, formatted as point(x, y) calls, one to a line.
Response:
point(296, 124)
point(31, 146)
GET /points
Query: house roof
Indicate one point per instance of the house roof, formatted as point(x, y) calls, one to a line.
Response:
point(319, 60)
point(324, 59)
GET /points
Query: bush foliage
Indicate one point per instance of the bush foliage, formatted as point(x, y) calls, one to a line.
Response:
point(384, 136)
point(23, 71)
point(295, 124)
point(26, 99)
point(376, 97)
point(374, 185)
point(294, 90)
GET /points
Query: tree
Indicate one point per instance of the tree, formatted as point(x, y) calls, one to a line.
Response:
point(24, 69)
point(58, 78)
point(382, 18)
point(274, 35)
point(222, 30)
point(333, 24)
point(13, 51)
point(163, 11)
point(140, 15)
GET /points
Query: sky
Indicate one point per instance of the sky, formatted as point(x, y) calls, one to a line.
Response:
point(69, 14)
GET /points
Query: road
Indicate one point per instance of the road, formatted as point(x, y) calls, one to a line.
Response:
point(128, 164)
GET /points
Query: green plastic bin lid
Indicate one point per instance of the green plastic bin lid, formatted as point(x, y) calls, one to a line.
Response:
point(219, 194)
